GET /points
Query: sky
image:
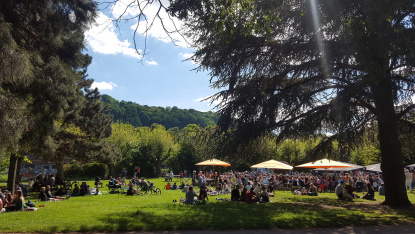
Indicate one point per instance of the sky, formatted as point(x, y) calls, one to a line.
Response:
point(159, 78)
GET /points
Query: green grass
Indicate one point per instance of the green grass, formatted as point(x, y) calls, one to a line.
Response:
point(113, 212)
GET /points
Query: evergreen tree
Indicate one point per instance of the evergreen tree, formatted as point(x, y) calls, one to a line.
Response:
point(303, 68)
point(39, 75)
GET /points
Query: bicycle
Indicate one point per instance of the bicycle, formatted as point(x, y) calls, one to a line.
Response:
point(68, 185)
point(145, 188)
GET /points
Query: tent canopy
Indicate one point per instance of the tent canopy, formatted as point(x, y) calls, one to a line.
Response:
point(373, 167)
point(273, 164)
point(352, 168)
point(213, 162)
point(325, 163)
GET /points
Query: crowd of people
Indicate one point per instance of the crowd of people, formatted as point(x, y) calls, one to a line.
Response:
point(258, 186)
point(250, 187)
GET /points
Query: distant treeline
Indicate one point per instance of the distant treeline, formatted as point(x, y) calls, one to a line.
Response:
point(170, 117)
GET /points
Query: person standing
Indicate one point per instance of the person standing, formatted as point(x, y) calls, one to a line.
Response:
point(408, 179)
point(194, 178)
point(123, 175)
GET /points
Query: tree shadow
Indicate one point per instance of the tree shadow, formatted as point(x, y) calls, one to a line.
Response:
point(297, 212)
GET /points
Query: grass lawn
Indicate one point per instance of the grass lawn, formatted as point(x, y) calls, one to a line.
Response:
point(113, 212)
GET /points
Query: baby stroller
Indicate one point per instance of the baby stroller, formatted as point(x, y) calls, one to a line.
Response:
point(114, 188)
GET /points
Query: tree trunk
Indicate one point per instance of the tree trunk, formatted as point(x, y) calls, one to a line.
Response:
point(60, 170)
point(158, 168)
point(18, 170)
point(11, 178)
point(392, 165)
point(111, 169)
point(390, 146)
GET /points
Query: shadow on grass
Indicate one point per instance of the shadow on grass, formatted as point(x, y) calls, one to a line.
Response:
point(297, 212)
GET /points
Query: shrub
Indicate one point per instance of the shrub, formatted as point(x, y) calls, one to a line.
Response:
point(85, 171)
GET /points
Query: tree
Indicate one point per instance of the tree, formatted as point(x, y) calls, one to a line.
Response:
point(302, 68)
point(81, 130)
point(39, 76)
point(157, 145)
point(124, 141)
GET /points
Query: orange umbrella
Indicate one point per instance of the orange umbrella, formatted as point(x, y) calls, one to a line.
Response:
point(325, 163)
point(273, 164)
point(213, 162)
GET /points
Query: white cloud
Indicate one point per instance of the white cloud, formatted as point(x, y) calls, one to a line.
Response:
point(186, 56)
point(151, 63)
point(104, 40)
point(103, 85)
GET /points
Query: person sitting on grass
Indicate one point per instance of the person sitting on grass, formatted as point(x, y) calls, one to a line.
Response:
point(49, 194)
point(18, 202)
point(235, 196)
point(181, 187)
point(203, 194)
point(2, 210)
point(264, 195)
point(348, 192)
point(131, 190)
point(60, 192)
point(303, 191)
point(174, 186)
point(76, 191)
point(251, 196)
point(25, 191)
point(168, 186)
point(185, 188)
point(190, 195)
point(42, 195)
point(312, 191)
point(370, 195)
point(339, 189)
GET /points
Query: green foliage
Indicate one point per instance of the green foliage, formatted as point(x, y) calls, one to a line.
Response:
point(4, 161)
point(83, 171)
point(138, 115)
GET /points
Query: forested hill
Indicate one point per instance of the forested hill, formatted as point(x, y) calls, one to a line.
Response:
point(138, 115)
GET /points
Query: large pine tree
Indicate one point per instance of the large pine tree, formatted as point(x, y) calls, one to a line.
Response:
point(40, 61)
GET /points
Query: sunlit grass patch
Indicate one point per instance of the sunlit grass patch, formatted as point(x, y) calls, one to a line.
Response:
point(113, 212)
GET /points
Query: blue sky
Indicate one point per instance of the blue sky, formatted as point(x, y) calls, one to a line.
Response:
point(160, 78)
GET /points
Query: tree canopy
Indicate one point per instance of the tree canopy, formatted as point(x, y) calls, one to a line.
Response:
point(170, 117)
point(301, 68)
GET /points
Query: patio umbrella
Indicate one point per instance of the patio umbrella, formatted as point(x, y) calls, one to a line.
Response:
point(273, 164)
point(213, 162)
point(325, 163)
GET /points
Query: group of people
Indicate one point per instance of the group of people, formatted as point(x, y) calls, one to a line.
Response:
point(45, 194)
point(11, 203)
point(263, 184)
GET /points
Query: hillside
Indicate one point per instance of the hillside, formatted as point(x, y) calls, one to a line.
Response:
point(138, 115)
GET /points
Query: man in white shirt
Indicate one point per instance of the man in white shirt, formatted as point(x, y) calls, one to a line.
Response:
point(339, 189)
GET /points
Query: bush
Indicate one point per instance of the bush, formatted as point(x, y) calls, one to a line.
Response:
point(86, 171)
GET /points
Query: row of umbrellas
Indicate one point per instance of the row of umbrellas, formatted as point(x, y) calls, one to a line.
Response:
point(322, 164)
